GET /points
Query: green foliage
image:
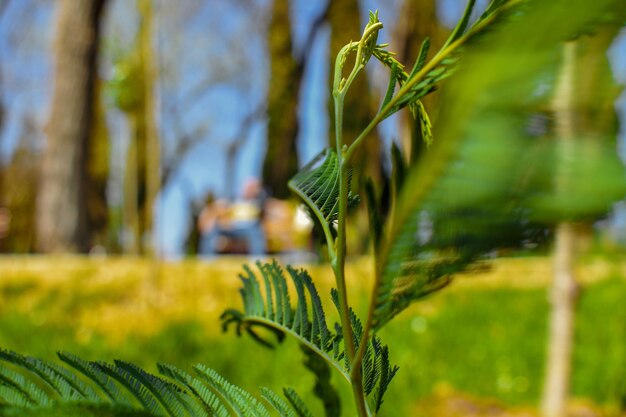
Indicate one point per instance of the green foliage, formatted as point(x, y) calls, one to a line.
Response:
point(494, 327)
point(324, 389)
point(306, 321)
point(487, 183)
point(101, 385)
point(473, 192)
point(317, 184)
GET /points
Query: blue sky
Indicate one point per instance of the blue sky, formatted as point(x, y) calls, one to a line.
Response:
point(215, 70)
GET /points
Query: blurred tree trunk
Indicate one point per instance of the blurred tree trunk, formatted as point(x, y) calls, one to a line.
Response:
point(583, 110)
point(134, 178)
point(152, 143)
point(285, 77)
point(3, 214)
point(286, 74)
point(133, 89)
point(61, 207)
point(97, 174)
point(20, 196)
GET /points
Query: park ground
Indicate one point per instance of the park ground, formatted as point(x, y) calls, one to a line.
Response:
point(476, 349)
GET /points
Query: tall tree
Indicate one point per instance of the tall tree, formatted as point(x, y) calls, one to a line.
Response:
point(97, 174)
point(285, 76)
point(153, 148)
point(564, 285)
point(61, 206)
point(19, 196)
point(133, 90)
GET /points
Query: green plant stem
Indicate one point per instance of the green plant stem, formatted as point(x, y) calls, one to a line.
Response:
point(340, 88)
point(348, 334)
point(339, 260)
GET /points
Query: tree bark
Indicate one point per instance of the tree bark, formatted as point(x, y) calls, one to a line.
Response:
point(61, 206)
point(281, 161)
point(153, 148)
point(583, 111)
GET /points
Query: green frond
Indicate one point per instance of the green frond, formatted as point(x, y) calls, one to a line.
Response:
point(462, 24)
point(309, 326)
point(211, 403)
point(376, 369)
point(241, 402)
point(305, 321)
point(143, 395)
point(398, 169)
point(375, 215)
point(172, 399)
point(67, 386)
point(320, 335)
point(95, 374)
point(11, 397)
point(301, 323)
point(382, 372)
point(421, 58)
point(300, 408)
point(178, 394)
point(317, 184)
point(17, 391)
point(421, 116)
point(493, 6)
point(369, 43)
point(469, 195)
point(393, 81)
point(280, 405)
point(324, 390)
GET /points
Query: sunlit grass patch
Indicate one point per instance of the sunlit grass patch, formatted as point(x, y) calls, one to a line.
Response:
point(485, 336)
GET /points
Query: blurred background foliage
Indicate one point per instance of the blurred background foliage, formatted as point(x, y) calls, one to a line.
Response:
point(175, 103)
point(186, 101)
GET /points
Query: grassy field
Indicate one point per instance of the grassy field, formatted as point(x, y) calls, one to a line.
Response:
point(483, 337)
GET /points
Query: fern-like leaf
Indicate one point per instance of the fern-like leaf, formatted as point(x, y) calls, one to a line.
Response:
point(309, 325)
point(95, 374)
point(171, 398)
point(277, 403)
point(143, 395)
point(299, 406)
point(17, 391)
point(308, 320)
point(324, 389)
point(176, 394)
point(462, 24)
point(421, 58)
point(467, 196)
point(210, 401)
point(66, 385)
point(242, 402)
point(317, 184)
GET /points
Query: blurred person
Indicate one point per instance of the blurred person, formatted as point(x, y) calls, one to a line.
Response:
point(241, 220)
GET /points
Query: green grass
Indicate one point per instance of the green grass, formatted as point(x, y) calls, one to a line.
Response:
point(482, 337)
point(492, 343)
